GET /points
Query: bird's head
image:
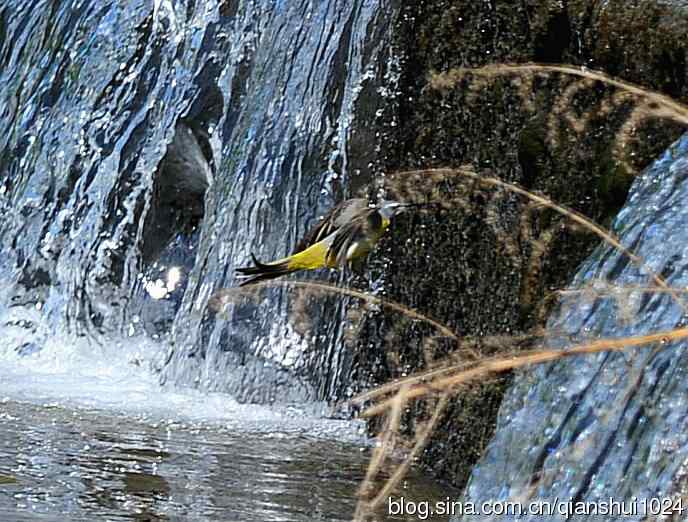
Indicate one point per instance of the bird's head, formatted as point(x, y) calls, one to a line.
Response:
point(388, 208)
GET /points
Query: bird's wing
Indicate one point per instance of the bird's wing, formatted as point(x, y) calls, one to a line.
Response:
point(335, 219)
point(362, 227)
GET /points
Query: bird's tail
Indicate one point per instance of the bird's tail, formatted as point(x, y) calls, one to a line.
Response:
point(264, 271)
point(315, 256)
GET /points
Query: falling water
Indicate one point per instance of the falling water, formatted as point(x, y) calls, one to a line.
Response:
point(148, 148)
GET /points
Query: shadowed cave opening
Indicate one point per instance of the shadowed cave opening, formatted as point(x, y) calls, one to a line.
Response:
point(178, 204)
point(172, 224)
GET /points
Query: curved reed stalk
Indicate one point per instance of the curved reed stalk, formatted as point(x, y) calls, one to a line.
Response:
point(571, 214)
point(511, 362)
point(439, 369)
point(364, 508)
point(224, 295)
point(382, 450)
point(666, 107)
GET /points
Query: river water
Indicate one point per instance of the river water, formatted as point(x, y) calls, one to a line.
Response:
point(87, 433)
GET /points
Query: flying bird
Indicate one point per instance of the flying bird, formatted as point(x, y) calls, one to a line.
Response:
point(345, 236)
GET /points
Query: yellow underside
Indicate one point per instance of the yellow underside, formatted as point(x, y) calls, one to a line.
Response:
point(315, 255)
point(311, 258)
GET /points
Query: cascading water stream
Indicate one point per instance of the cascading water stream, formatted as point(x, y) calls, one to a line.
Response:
point(147, 148)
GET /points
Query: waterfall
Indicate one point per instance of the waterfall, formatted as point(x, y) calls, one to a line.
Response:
point(147, 148)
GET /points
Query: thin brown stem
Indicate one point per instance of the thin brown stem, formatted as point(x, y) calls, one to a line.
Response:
point(223, 296)
point(666, 106)
point(532, 357)
point(571, 214)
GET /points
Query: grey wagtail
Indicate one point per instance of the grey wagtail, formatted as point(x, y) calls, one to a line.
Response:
point(344, 236)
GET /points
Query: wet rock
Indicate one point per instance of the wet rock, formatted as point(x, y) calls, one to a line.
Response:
point(459, 265)
point(611, 425)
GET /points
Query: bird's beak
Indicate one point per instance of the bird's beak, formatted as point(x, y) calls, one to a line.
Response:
point(406, 206)
point(403, 207)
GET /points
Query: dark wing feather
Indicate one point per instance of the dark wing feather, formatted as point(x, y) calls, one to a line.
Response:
point(336, 218)
point(262, 271)
point(353, 231)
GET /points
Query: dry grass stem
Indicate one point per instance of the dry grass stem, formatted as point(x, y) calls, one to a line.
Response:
point(367, 508)
point(571, 214)
point(224, 296)
point(648, 103)
point(657, 104)
point(446, 366)
point(420, 441)
point(511, 362)
point(384, 448)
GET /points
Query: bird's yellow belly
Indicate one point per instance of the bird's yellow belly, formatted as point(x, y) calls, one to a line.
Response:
point(312, 257)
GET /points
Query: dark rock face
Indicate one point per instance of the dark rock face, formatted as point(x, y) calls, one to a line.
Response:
point(614, 424)
point(455, 265)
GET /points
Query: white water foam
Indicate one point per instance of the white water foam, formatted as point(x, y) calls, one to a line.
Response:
point(120, 378)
